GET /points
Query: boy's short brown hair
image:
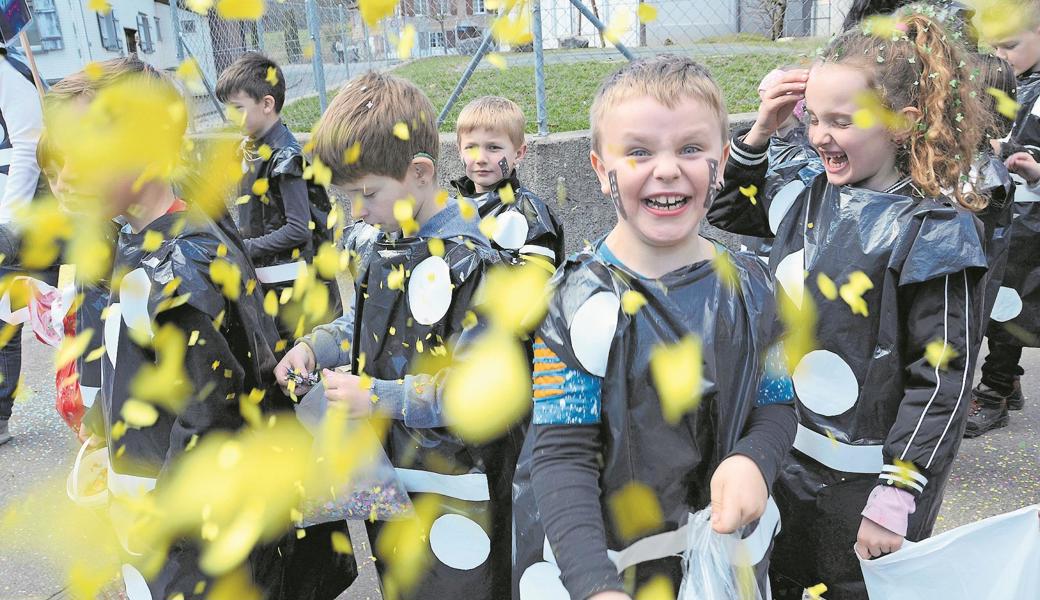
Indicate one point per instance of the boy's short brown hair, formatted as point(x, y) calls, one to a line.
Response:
point(249, 75)
point(387, 120)
point(493, 113)
point(668, 79)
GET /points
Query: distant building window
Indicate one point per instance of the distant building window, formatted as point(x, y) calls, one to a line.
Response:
point(108, 25)
point(478, 7)
point(422, 8)
point(436, 39)
point(45, 30)
point(144, 33)
point(188, 26)
point(158, 30)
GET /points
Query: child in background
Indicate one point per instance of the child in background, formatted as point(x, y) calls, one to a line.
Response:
point(282, 218)
point(600, 427)
point(418, 264)
point(1015, 321)
point(883, 398)
point(490, 135)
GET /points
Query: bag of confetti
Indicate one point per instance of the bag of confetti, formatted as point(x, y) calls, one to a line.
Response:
point(715, 565)
point(994, 559)
point(371, 490)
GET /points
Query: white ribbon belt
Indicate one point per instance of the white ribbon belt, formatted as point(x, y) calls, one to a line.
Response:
point(471, 487)
point(849, 458)
point(280, 273)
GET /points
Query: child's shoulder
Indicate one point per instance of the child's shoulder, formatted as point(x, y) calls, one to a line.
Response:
point(286, 154)
point(941, 238)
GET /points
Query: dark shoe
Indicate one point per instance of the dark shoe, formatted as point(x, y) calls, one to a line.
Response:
point(5, 435)
point(1016, 400)
point(988, 411)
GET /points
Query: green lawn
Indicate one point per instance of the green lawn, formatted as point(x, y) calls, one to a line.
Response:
point(569, 87)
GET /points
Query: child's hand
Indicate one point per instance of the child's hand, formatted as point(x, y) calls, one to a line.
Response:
point(300, 359)
point(345, 389)
point(1024, 165)
point(875, 541)
point(738, 494)
point(778, 103)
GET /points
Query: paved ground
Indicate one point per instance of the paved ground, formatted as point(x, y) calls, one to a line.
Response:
point(994, 474)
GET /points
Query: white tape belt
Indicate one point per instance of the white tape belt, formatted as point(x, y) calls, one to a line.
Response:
point(674, 543)
point(471, 487)
point(280, 273)
point(848, 458)
point(532, 249)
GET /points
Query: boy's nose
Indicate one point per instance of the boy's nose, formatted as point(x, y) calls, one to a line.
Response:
point(666, 168)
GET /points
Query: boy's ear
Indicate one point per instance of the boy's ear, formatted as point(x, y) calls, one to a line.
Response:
point(521, 152)
point(268, 102)
point(422, 171)
point(601, 172)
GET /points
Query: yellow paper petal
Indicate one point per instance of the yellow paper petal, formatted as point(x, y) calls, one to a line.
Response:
point(139, 414)
point(341, 543)
point(636, 510)
point(352, 154)
point(99, 6)
point(647, 13)
point(497, 60)
point(240, 10)
point(826, 286)
point(488, 226)
point(436, 246)
point(939, 354)
point(632, 301)
point(1006, 105)
point(401, 130)
point(272, 77)
point(372, 11)
point(750, 192)
point(404, 47)
point(676, 372)
point(260, 186)
point(816, 592)
point(515, 299)
point(490, 391)
point(72, 348)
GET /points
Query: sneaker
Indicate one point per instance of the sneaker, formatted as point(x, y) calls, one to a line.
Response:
point(1016, 400)
point(5, 435)
point(988, 411)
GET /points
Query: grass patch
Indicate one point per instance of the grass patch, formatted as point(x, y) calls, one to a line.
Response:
point(569, 87)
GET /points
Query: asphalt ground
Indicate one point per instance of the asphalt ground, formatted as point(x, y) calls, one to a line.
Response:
point(996, 473)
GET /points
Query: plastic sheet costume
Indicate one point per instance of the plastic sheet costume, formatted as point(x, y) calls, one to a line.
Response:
point(591, 340)
point(868, 395)
point(270, 221)
point(171, 285)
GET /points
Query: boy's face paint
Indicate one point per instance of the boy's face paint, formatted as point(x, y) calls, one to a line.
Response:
point(1022, 50)
point(658, 165)
point(851, 155)
point(713, 177)
point(489, 156)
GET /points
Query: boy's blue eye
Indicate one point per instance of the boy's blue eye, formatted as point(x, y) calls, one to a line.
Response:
point(690, 149)
point(638, 152)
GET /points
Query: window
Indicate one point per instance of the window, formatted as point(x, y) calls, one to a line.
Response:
point(108, 25)
point(436, 39)
point(422, 8)
point(158, 30)
point(188, 26)
point(45, 30)
point(144, 33)
point(478, 7)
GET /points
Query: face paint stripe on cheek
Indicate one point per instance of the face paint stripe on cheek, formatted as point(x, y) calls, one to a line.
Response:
point(615, 194)
point(712, 191)
point(503, 164)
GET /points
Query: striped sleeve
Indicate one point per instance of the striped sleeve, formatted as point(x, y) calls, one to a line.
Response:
point(562, 395)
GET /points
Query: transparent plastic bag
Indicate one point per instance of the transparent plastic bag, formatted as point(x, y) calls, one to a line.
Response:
point(716, 566)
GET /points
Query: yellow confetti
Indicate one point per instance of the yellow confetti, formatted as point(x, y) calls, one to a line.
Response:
point(676, 373)
point(436, 246)
point(872, 111)
point(632, 301)
point(228, 276)
point(816, 592)
point(726, 270)
point(72, 348)
point(93, 70)
point(272, 77)
point(240, 10)
point(513, 30)
point(939, 354)
point(619, 25)
point(404, 214)
point(497, 60)
point(327, 261)
point(200, 6)
point(260, 187)
point(826, 286)
point(308, 50)
point(647, 13)
point(885, 27)
point(467, 209)
point(469, 321)
point(997, 20)
point(852, 292)
point(139, 414)
point(264, 151)
point(1006, 105)
point(442, 198)
point(515, 299)
point(271, 303)
point(100, 6)
point(488, 226)
point(152, 240)
point(401, 130)
point(864, 119)
point(636, 511)
point(373, 11)
point(341, 543)
point(404, 48)
point(395, 279)
point(800, 328)
point(352, 153)
point(750, 192)
point(318, 172)
point(490, 391)
point(95, 354)
point(506, 194)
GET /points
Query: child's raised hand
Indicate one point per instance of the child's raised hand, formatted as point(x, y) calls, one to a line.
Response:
point(346, 390)
point(300, 359)
point(778, 103)
point(738, 494)
point(1024, 165)
point(874, 540)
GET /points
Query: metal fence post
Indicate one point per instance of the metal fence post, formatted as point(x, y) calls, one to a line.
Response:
point(175, 18)
point(205, 82)
point(314, 28)
point(588, 14)
point(346, 38)
point(485, 44)
point(539, 68)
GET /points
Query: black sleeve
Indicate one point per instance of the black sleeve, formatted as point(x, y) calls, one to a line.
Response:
point(296, 231)
point(565, 477)
point(217, 377)
point(1025, 135)
point(732, 210)
point(768, 438)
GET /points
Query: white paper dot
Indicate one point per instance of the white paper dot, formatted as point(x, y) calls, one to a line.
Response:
point(134, 290)
point(541, 581)
point(429, 290)
point(791, 275)
point(113, 323)
point(592, 331)
point(782, 201)
point(512, 230)
point(825, 383)
point(547, 553)
point(1007, 306)
point(136, 586)
point(459, 542)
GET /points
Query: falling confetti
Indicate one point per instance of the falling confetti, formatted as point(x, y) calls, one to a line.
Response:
point(749, 192)
point(240, 10)
point(939, 354)
point(826, 286)
point(635, 511)
point(488, 226)
point(997, 20)
point(489, 391)
point(676, 372)
point(1006, 105)
point(722, 263)
point(373, 11)
point(100, 6)
point(647, 13)
point(515, 299)
point(619, 25)
point(404, 49)
point(352, 153)
point(497, 60)
point(852, 292)
point(632, 301)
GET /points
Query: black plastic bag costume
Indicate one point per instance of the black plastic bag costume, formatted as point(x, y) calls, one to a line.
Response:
point(588, 332)
point(392, 328)
point(526, 226)
point(261, 216)
point(1016, 313)
point(239, 336)
point(868, 395)
point(993, 179)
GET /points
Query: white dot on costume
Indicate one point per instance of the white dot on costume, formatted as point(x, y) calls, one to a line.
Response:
point(459, 542)
point(134, 290)
point(541, 581)
point(593, 330)
point(1007, 306)
point(791, 275)
point(547, 553)
point(113, 322)
point(512, 230)
point(136, 587)
point(429, 290)
point(782, 202)
point(825, 383)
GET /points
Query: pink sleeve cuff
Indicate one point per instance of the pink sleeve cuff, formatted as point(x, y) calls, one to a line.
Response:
point(890, 507)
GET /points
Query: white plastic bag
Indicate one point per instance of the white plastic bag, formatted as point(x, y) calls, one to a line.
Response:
point(716, 566)
point(993, 559)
